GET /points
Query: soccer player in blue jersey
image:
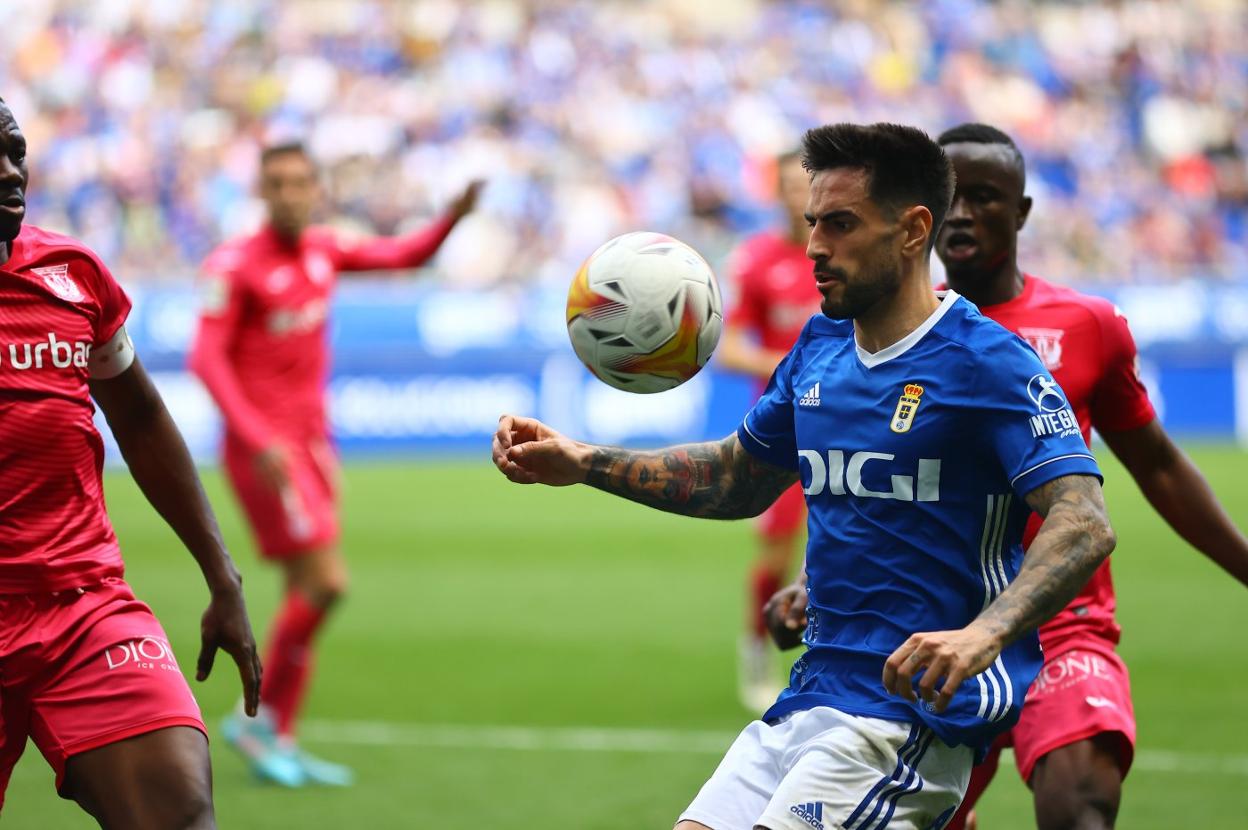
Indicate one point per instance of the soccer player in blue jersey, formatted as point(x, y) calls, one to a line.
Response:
point(922, 434)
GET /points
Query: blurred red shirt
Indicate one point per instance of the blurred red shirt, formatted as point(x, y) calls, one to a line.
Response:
point(775, 290)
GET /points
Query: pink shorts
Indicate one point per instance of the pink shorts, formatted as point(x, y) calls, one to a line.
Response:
point(299, 519)
point(1080, 692)
point(81, 669)
point(785, 516)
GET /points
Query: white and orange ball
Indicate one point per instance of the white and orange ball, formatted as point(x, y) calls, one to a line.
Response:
point(644, 312)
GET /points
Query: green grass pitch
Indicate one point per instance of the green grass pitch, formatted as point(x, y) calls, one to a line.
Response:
point(478, 607)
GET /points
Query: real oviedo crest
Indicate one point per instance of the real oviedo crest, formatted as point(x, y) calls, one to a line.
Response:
point(911, 397)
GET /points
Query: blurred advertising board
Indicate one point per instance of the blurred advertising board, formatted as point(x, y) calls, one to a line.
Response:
point(423, 370)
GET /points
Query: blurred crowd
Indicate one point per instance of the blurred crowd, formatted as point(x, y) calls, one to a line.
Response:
point(592, 118)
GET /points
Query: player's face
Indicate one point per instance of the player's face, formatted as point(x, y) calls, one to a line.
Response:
point(13, 176)
point(794, 190)
point(855, 246)
point(980, 233)
point(289, 189)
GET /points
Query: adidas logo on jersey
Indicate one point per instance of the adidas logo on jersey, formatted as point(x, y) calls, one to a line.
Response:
point(811, 813)
point(811, 398)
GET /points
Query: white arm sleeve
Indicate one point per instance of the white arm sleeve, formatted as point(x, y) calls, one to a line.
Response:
point(112, 358)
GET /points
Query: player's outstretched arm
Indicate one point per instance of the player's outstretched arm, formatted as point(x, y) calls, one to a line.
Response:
point(1176, 489)
point(1072, 542)
point(410, 250)
point(715, 479)
point(162, 467)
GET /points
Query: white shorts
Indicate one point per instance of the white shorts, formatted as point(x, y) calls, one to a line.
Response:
point(823, 769)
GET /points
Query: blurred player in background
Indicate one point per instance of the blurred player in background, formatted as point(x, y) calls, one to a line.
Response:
point(262, 351)
point(865, 413)
point(775, 296)
point(1076, 738)
point(86, 670)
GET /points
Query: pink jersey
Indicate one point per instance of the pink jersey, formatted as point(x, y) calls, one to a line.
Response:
point(1085, 343)
point(775, 290)
point(262, 349)
point(57, 302)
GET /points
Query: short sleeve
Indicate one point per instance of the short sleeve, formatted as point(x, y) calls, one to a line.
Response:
point(1119, 401)
point(114, 305)
point(767, 431)
point(1030, 426)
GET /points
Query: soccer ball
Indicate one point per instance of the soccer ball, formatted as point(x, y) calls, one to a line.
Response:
point(644, 312)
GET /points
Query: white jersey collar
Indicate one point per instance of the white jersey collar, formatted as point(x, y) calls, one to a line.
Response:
point(873, 359)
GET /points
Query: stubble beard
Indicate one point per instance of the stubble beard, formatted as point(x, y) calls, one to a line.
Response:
point(880, 278)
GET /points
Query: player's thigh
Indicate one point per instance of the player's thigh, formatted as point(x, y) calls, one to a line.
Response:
point(842, 779)
point(14, 727)
point(299, 518)
point(158, 780)
point(981, 776)
point(737, 792)
point(1079, 785)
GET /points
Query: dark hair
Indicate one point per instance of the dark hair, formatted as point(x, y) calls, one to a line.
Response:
point(284, 148)
point(904, 165)
point(974, 132)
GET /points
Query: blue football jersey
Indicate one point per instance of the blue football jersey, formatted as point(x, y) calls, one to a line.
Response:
point(915, 461)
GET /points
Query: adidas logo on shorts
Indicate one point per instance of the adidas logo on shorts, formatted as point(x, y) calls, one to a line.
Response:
point(811, 398)
point(811, 813)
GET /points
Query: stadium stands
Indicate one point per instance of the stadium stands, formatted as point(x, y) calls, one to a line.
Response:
point(591, 118)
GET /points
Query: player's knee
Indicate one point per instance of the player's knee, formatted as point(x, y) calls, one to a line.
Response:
point(194, 812)
point(1086, 804)
point(330, 590)
point(324, 586)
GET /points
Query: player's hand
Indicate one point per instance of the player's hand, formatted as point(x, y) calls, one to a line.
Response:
point(273, 467)
point(951, 656)
point(529, 452)
point(785, 614)
point(225, 626)
point(466, 201)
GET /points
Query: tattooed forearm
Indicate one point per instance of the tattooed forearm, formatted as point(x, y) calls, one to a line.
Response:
point(1073, 541)
point(717, 479)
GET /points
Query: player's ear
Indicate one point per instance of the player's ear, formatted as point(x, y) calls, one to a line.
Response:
point(916, 223)
point(1024, 210)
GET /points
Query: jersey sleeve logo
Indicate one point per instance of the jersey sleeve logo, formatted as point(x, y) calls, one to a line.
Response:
point(1046, 394)
point(1053, 415)
point(911, 397)
point(57, 279)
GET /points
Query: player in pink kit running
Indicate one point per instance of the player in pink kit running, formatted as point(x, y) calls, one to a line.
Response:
point(86, 670)
point(263, 353)
point(1076, 738)
point(774, 298)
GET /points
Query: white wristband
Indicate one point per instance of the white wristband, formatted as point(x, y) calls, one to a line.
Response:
point(112, 358)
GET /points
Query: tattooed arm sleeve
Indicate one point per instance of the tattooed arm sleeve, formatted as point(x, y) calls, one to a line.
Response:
point(1073, 541)
point(714, 480)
